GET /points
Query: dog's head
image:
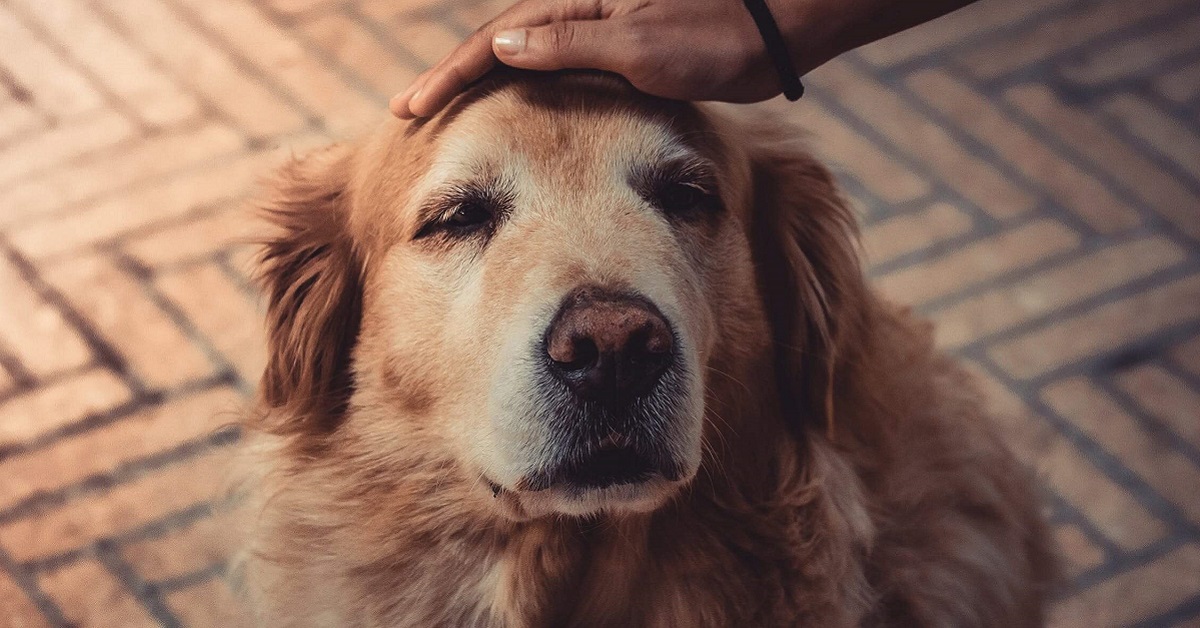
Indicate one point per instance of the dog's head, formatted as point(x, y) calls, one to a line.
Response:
point(537, 290)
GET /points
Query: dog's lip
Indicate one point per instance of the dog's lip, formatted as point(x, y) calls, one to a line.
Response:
point(612, 462)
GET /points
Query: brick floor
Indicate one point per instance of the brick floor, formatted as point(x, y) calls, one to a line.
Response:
point(1029, 174)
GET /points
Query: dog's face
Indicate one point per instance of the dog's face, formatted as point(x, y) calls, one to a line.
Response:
point(538, 286)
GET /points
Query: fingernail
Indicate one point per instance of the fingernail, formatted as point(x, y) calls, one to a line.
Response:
point(509, 42)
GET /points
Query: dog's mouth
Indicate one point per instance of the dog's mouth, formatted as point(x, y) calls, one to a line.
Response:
point(612, 462)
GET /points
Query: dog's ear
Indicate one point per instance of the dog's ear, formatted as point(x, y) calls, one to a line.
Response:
point(311, 275)
point(805, 242)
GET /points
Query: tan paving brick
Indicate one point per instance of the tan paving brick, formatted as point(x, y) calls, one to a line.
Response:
point(1166, 397)
point(1137, 594)
point(1077, 551)
point(224, 313)
point(122, 68)
point(198, 61)
point(300, 6)
point(1136, 55)
point(946, 158)
point(974, 263)
point(220, 182)
point(209, 605)
point(196, 238)
point(280, 54)
point(359, 50)
point(62, 403)
point(18, 610)
point(1187, 355)
point(1181, 85)
point(111, 171)
point(1030, 155)
point(17, 118)
point(146, 433)
point(849, 150)
point(1076, 127)
point(1068, 29)
point(1166, 134)
point(33, 329)
point(1147, 455)
point(126, 507)
point(1101, 329)
point(118, 306)
point(90, 597)
point(204, 544)
point(387, 10)
point(55, 87)
point(890, 238)
point(1053, 289)
point(428, 40)
point(472, 14)
point(1060, 465)
point(965, 25)
point(72, 139)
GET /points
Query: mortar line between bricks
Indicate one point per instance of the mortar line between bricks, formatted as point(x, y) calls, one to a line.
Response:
point(9, 363)
point(51, 379)
point(1149, 424)
point(1152, 154)
point(200, 576)
point(143, 593)
point(223, 262)
point(105, 353)
point(241, 62)
point(29, 586)
point(1125, 561)
point(378, 31)
point(1075, 517)
point(1141, 83)
point(1173, 366)
point(25, 97)
point(113, 100)
point(1114, 468)
point(45, 501)
point(1187, 610)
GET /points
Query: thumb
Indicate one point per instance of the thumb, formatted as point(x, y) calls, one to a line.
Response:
point(560, 45)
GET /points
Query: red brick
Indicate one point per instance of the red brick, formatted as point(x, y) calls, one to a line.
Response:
point(53, 406)
point(91, 597)
point(198, 61)
point(112, 171)
point(1062, 32)
point(197, 238)
point(946, 158)
point(126, 507)
point(146, 433)
point(358, 49)
point(224, 313)
point(1102, 329)
point(1166, 134)
point(1075, 189)
point(1077, 127)
point(1134, 56)
point(890, 238)
point(1054, 288)
point(209, 605)
point(18, 611)
point(204, 544)
point(878, 171)
point(281, 55)
point(122, 68)
point(79, 137)
point(1166, 397)
point(141, 207)
point(34, 330)
point(980, 261)
point(1135, 595)
point(1060, 465)
point(1153, 459)
point(54, 86)
point(157, 351)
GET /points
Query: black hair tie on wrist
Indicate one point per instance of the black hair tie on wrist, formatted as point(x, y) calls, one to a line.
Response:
point(793, 89)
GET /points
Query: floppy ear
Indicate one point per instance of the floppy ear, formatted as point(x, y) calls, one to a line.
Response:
point(311, 274)
point(805, 242)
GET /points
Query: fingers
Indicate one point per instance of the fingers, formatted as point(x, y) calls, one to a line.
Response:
point(559, 45)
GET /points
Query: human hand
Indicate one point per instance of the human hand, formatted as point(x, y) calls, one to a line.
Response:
point(680, 49)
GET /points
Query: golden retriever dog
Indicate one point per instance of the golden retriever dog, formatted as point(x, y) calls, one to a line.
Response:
point(568, 355)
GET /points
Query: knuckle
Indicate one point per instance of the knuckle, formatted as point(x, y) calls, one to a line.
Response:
point(561, 37)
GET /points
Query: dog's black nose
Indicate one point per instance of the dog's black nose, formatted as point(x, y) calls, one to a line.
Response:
point(609, 347)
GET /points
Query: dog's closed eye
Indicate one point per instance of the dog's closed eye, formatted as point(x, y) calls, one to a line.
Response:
point(465, 211)
point(684, 189)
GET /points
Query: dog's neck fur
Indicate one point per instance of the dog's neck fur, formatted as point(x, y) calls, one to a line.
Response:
point(452, 559)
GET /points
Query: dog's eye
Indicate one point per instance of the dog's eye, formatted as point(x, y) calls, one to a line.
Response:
point(678, 198)
point(469, 214)
point(466, 215)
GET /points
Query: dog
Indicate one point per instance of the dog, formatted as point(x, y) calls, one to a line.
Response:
point(570, 355)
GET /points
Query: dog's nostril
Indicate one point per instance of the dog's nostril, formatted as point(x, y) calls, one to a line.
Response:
point(609, 347)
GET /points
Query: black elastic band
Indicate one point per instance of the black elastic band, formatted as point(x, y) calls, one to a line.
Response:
point(793, 89)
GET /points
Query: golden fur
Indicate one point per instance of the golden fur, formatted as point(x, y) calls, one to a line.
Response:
point(849, 475)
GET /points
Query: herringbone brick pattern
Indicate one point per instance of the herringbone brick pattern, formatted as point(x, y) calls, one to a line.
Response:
point(1029, 173)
